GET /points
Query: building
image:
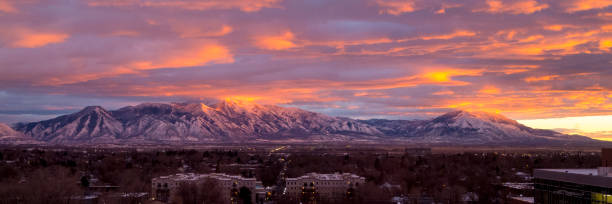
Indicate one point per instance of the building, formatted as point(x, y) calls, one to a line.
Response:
point(314, 186)
point(164, 188)
point(418, 151)
point(575, 185)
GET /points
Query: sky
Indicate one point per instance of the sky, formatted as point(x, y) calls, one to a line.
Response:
point(546, 63)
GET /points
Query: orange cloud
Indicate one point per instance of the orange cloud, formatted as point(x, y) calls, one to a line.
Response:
point(566, 47)
point(541, 78)
point(243, 5)
point(28, 39)
point(442, 93)
point(199, 56)
point(395, 7)
point(439, 76)
point(583, 5)
point(605, 15)
point(533, 103)
point(7, 7)
point(279, 42)
point(513, 69)
point(197, 32)
point(554, 27)
point(444, 6)
point(436, 76)
point(524, 45)
point(490, 90)
point(371, 95)
point(340, 45)
point(459, 33)
point(605, 44)
point(126, 33)
point(514, 7)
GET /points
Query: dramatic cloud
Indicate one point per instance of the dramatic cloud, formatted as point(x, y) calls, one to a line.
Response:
point(277, 42)
point(395, 7)
point(527, 59)
point(7, 7)
point(514, 6)
point(244, 5)
point(23, 38)
point(584, 5)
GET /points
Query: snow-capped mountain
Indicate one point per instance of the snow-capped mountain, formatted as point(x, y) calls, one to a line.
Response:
point(462, 127)
point(92, 124)
point(227, 121)
point(10, 136)
point(239, 121)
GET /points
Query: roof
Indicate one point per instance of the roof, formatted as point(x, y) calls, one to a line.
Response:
point(195, 177)
point(525, 199)
point(574, 171)
point(327, 177)
point(577, 176)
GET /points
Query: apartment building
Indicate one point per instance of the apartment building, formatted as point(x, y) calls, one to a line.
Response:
point(315, 186)
point(164, 188)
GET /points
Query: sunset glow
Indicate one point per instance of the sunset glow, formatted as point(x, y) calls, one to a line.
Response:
point(545, 63)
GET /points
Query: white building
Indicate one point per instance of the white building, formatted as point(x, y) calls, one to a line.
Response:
point(325, 186)
point(164, 188)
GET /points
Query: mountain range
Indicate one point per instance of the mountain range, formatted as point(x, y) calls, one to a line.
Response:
point(232, 121)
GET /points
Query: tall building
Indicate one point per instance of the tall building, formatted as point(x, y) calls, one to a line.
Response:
point(314, 186)
point(165, 188)
point(575, 185)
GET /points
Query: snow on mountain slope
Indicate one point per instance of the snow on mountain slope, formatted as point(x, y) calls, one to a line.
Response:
point(10, 136)
point(239, 121)
point(93, 123)
point(479, 127)
point(227, 121)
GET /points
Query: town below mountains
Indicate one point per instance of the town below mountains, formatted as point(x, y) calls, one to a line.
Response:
point(233, 121)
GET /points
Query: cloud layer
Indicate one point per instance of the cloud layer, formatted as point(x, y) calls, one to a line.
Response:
point(359, 58)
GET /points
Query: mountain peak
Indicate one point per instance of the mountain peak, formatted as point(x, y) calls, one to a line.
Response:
point(480, 115)
point(194, 107)
point(6, 130)
point(236, 105)
point(90, 109)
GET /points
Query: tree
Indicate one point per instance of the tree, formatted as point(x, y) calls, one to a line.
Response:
point(84, 181)
point(377, 165)
point(51, 185)
point(245, 195)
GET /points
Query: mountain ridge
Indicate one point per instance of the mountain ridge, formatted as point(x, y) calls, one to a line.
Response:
point(480, 128)
point(9, 136)
point(237, 121)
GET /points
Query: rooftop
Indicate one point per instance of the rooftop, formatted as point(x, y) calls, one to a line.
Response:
point(524, 199)
point(327, 177)
point(577, 176)
point(574, 171)
point(194, 177)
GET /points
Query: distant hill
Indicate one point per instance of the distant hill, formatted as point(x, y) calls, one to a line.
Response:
point(10, 136)
point(238, 121)
point(462, 127)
